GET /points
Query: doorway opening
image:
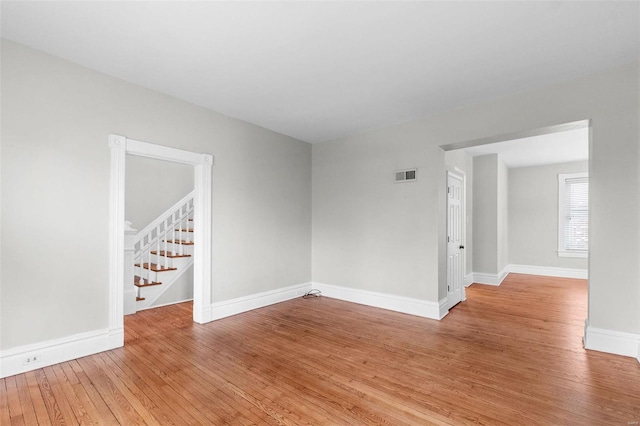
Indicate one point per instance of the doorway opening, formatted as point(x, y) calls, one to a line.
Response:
point(121, 147)
point(514, 202)
point(158, 208)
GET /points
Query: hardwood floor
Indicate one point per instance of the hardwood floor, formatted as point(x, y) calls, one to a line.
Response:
point(508, 355)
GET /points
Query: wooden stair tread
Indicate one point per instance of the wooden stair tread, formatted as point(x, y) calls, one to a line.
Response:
point(155, 267)
point(139, 299)
point(184, 229)
point(170, 256)
point(183, 242)
point(145, 282)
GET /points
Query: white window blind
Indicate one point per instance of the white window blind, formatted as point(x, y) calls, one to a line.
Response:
point(573, 235)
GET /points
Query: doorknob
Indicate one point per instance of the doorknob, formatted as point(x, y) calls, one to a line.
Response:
point(461, 247)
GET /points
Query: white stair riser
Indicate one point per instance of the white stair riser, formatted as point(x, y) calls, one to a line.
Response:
point(161, 259)
point(175, 262)
point(156, 276)
point(184, 236)
point(186, 249)
point(164, 276)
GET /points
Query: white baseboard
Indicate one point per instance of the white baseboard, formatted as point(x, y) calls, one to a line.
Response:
point(243, 304)
point(496, 279)
point(129, 300)
point(116, 339)
point(14, 361)
point(549, 271)
point(613, 342)
point(202, 314)
point(165, 304)
point(442, 306)
point(468, 279)
point(491, 279)
point(407, 305)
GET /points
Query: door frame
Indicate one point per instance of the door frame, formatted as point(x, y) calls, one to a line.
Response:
point(120, 147)
point(461, 175)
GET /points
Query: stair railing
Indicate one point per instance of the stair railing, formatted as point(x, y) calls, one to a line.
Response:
point(160, 233)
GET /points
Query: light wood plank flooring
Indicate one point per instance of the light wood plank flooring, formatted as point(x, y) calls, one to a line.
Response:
point(508, 355)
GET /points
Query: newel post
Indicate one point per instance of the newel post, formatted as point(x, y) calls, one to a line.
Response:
point(129, 289)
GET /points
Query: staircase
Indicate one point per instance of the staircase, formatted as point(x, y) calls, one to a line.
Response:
point(162, 252)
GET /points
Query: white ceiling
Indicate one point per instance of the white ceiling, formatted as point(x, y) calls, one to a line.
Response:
point(560, 147)
point(321, 70)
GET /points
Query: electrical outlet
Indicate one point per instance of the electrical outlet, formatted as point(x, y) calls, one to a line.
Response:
point(31, 360)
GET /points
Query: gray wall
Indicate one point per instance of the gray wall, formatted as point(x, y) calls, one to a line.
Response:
point(533, 215)
point(181, 290)
point(485, 214)
point(152, 186)
point(490, 214)
point(371, 234)
point(56, 117)
point(503, 215)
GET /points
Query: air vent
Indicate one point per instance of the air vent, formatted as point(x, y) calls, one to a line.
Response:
point(405, 175)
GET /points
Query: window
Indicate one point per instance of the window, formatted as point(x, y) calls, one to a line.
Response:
point(573, 218)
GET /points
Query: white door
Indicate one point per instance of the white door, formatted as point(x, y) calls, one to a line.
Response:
point(455, 244)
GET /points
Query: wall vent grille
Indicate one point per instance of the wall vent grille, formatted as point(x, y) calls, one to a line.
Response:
point(405, 175)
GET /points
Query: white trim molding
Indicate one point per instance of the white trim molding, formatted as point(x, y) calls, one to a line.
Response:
point(468, 279)
point(30, 357)
point(490, 279)
point(202, 248)
point(239, 305)
point(166, 304)
point(496, 279)
point(549, 271)
point(160, 152)
point(406, 305)
point(120, 147)
point(580, 254)
point(443, 304)
point(612, 341)
point(555, 128)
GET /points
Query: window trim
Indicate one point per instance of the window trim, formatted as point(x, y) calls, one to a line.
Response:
point(562, 252)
